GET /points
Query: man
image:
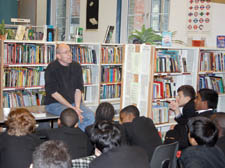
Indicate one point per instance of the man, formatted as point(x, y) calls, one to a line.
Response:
point(203, 153)
point(139, 131)
point(185, 99)
point(219, 120)
point(76, 140)
point(206, 102)
point(64, 86)
point(51, 154)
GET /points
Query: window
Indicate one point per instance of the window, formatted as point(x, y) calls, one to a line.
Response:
point(135, 13)
point(159, 15)
point(65, 15)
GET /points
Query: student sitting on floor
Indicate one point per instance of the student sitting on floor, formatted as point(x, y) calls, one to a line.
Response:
point(203, 153)
point(140, 131)
point(77, 141)
point(51, 154)
point(111, 154)
point(219, 120)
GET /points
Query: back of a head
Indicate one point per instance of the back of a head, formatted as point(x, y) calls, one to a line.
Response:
point(203, 130)
point(106, 135)
point(105, 111)
point(218, 119)
point(131, 109)
point(187, 90)
point(69, 118)
point(210, 96)
point(20, 122)
point(51, 154)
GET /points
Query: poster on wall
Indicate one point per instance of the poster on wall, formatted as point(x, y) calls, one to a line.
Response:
point(92, 14)
point(199, 15)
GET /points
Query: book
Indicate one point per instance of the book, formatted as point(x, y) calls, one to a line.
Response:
point(38, 114)
point(20, 32)
point(108, 34)
point(220, 41)
point(167, 39)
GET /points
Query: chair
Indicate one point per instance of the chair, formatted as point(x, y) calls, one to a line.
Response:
point(164, 156)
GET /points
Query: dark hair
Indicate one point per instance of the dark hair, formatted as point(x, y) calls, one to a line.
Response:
point(131, 109)
point(69, 117)
point(203, 130)
point(209, 95)
point(20, 122)
point(218, 119)
point(53, 153)
point(187, 90)
point(105, 111)
point(105, 135)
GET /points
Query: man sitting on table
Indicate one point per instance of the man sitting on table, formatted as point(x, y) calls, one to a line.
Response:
point(64, 86)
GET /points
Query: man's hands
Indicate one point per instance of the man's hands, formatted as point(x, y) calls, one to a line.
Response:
point(79, 113)
point(173, 106)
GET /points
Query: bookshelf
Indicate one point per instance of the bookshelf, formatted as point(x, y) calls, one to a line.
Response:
point(211, 72)
point(111, 65)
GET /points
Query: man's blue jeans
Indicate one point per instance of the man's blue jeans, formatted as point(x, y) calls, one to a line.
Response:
point(57, 108)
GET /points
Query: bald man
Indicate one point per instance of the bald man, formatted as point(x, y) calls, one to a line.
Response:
point(64, 86)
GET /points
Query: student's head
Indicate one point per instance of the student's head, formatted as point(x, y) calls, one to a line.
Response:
point(202, 131)
point(206, 98)
point(105, 111)
point(184, 94)
point(127, 114)
point(20, 122)
point(68, 118)
point(105, 135)
point(51, 154)
point(63, 54)
point(218, 119)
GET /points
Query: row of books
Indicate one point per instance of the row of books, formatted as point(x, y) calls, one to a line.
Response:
point(168, 61)
point(23, 98)
point(111, 74)
point(110, 91)
point(160, 113)
point(212, 82)
point(164, 88)
point(23, 77)
point(111, 55)
point(28, 53)
point(83, 55)
point(212, 61)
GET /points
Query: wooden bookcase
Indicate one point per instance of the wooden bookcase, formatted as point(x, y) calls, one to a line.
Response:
point(211, 72)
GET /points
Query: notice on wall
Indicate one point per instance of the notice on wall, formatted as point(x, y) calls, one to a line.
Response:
point(199, 15)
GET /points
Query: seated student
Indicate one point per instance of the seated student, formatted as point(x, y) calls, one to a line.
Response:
point(139, 131)
point(51, 154)
point(206, 102)
point(18, 143)
point(105, 111)
point(77, 141)
point(219, 120)
point(185, 99)
point(203, 153)
point(106, 136)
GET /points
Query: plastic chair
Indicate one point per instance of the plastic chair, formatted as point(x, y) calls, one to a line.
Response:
point(164, 156)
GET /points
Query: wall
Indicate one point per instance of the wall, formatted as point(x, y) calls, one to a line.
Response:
point(8, 9)
point(177, 22)
point(107, 16)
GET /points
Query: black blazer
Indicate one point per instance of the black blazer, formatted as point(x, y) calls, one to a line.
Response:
point(76, 140)
point(16, 151)
point(122, 157)
point(143, 133)
point(221, 143)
